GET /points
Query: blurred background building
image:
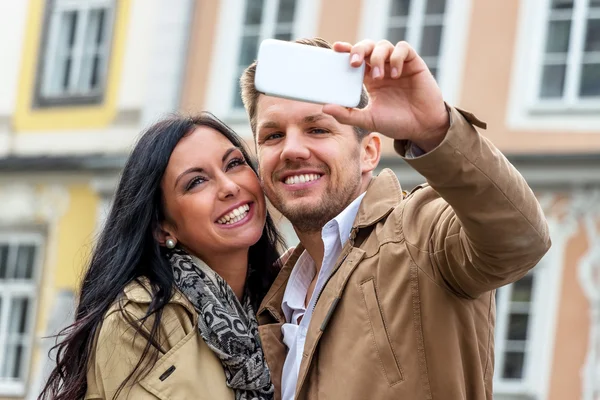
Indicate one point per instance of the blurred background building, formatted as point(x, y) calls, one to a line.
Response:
point(79, 80)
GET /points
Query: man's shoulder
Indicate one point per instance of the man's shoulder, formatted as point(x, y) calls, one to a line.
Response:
point(420, 202)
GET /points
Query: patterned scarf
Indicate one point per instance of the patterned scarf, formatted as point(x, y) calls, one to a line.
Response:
point(228, 327)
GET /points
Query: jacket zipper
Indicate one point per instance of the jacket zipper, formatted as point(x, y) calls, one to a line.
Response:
point(351, 240)
point(327, 281)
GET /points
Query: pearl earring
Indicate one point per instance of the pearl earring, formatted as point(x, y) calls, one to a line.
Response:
point(170, 243)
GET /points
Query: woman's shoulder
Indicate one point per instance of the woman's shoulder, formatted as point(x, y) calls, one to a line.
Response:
point(118, 344)
point(138, 294)
point(128, 313)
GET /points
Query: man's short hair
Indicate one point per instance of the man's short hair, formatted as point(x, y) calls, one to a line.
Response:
point(250, 94)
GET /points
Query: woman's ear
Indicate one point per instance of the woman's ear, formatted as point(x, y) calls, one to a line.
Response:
point(163, 233)
point(370, 152)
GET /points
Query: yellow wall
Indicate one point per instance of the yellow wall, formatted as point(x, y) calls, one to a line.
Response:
point(75, 236)
point(27, 118)
point(70, 244)
point(72, 239)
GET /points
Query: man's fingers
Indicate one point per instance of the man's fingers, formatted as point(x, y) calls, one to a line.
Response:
point(360, 51)
point(342, 47)
point(402, 53)
point(379, 56)
point(347, 116)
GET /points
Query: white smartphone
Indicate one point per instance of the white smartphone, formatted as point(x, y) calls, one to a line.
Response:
point(307, 73)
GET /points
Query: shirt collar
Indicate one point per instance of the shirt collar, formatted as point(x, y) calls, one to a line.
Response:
point(345, 219)
point(300, 278)
point(304, 269)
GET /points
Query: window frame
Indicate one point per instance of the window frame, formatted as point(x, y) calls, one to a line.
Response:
point(453, 41)
point(52, 12)
point(570, 100)
point(226, 51)
point(545, 301)
point(525, 111)
point(515, 386)
point(30, 289)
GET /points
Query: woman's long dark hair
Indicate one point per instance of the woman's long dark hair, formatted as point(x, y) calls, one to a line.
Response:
point(127, 250)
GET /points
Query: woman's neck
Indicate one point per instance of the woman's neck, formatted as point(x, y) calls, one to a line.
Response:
point(233, 268)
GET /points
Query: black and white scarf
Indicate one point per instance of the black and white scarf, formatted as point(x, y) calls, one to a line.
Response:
point(228, 327)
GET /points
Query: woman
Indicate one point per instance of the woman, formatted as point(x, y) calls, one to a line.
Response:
point(186, 255)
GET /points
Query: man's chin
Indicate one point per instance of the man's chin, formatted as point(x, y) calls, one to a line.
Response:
point(307, 215)
point(301, 205)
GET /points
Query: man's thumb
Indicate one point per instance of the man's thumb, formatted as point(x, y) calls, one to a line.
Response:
point(344, 115)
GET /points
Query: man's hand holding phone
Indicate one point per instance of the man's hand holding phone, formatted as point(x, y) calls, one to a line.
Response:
point(405, 101)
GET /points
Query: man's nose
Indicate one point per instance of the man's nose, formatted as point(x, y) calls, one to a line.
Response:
point(295, 147)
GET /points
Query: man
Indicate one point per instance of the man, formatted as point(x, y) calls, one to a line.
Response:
point(388, 295)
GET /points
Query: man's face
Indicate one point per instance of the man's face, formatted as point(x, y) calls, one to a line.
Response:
point(309, 163)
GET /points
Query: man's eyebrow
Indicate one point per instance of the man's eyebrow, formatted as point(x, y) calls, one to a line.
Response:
point(311, 119)
point(269, 125)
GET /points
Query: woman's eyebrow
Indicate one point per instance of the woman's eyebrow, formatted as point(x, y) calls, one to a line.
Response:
point(187, 171)
point(200, 170)
point(228, 152)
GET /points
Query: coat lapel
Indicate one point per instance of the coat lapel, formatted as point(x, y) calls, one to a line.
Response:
point(326, 305)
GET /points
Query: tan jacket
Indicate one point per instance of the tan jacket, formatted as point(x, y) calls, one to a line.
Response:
point(408, 312)
point(187, 369)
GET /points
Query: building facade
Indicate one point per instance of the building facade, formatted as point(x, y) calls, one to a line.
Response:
point(81, 78)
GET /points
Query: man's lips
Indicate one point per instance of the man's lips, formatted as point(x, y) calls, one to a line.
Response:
point(299, 176)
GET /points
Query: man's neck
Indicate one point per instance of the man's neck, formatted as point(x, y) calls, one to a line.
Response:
point(313, 244)
point(313, 241)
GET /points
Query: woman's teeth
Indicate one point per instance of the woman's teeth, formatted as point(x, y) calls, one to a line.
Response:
point(291, 180)
point(235, 215)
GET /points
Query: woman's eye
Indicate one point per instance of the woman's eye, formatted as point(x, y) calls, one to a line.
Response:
point(195, 182)
point(236, 162)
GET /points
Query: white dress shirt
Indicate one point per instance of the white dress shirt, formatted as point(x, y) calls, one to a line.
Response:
point(335, 234)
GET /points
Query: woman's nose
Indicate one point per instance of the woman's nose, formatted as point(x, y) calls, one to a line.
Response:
point(227, 187)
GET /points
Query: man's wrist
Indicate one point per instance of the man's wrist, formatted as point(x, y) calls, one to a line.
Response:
point(430, 140)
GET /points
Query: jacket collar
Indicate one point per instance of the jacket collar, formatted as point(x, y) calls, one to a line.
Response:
point(270, 307)
point(383, 194)
point(139, 291)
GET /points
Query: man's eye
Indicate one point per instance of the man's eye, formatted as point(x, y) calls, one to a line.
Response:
point(195, 182)
point(318, 131)
point(235, 162)
point(273, 136)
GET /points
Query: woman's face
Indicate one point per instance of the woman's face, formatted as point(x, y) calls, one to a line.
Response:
point(214, 204)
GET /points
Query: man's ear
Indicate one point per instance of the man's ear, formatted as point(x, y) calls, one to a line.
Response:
point(370, 152)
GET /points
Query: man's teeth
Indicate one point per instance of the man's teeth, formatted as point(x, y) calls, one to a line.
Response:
point(235, 215)
point(291, 180)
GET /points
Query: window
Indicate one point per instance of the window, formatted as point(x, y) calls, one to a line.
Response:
point(242, 26)
point(420, 23)
point(76, 52)
point(555, 84)
point(525, 326)
point(436, 29)
point(514, 311)
point(262, 19)
point(104, 204)
point(19, 267)
point(570, 67)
